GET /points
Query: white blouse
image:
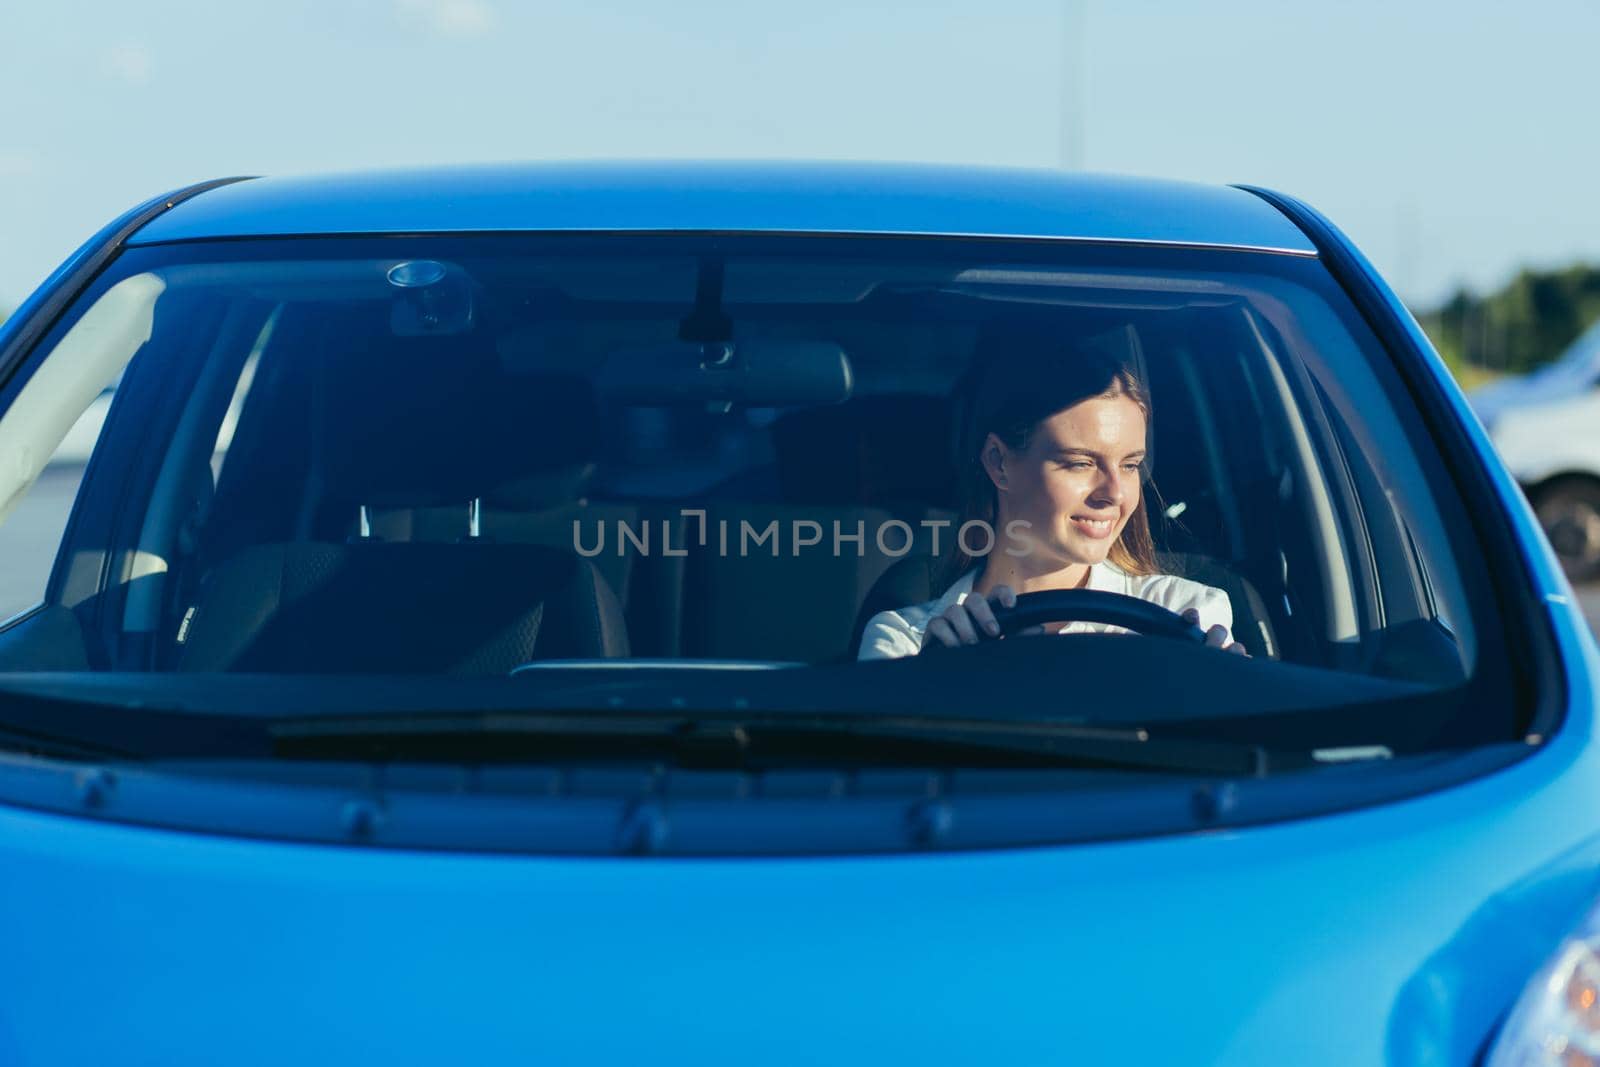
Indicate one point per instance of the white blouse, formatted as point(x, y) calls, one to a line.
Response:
point(899, 633)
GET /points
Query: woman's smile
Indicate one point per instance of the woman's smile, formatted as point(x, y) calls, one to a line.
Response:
point(1095, 528)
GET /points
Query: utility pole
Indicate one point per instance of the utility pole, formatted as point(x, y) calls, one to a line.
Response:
point(1406, 247)
point(1074, 82)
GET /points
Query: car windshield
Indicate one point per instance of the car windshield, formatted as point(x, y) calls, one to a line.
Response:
point(741, 474)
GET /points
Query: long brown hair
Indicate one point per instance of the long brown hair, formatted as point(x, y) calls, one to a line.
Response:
point(1011, 393)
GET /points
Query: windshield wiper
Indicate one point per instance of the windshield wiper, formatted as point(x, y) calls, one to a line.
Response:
point(758, 742)
point(62, 728)
point(67, 729)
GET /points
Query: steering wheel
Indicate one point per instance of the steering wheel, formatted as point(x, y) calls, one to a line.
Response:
point(1095, 605)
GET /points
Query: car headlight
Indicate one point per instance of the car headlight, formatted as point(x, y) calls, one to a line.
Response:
point(1556, 1021)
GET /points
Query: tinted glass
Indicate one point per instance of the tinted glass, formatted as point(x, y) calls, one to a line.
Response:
point(757, 467)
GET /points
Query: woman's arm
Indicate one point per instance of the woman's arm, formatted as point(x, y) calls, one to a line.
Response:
point(888, 636)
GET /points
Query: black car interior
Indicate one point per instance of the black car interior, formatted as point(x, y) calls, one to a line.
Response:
point(438, 517)
point(471, 501)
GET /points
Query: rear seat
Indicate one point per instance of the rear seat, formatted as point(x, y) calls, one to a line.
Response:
point(888, 452)
point(866, 465)
point(545, 433)
point(770, 595)
point(748, 592)
point(647, 582)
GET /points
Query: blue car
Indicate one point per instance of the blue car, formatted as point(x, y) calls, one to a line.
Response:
point(781, 613)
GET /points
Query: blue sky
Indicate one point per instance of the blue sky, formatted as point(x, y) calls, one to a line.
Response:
point(1454, 141)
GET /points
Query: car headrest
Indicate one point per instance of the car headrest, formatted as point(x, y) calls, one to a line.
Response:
point(425, 421)
point(873, 450)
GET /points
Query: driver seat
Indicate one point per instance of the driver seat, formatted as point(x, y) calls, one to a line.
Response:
point(912, 580)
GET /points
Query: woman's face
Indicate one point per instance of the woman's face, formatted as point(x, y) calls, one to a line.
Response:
point(1075, 484)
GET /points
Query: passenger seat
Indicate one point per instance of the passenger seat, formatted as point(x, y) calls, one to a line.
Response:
point(377, 608)
point(408, 426)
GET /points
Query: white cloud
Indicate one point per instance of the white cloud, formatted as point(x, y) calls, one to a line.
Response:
point(130, 62)
point(19, 163)
point(447, 18)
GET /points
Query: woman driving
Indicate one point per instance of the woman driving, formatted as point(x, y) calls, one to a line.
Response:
point(1057, 447)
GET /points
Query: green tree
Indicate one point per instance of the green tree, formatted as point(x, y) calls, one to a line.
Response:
point(1522, 326)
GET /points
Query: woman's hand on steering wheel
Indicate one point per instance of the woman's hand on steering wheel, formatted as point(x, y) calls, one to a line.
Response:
point(1217, 636)
point(972, 620)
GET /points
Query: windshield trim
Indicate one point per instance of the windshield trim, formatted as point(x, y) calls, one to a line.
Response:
point(1468, 459)
point(819, 234)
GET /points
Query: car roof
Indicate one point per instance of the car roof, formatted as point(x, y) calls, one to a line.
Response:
point(876, 198)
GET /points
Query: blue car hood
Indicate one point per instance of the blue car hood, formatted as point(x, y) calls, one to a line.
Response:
point(1398, 934)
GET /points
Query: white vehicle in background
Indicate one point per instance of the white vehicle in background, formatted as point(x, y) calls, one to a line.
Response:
point(1546, 426)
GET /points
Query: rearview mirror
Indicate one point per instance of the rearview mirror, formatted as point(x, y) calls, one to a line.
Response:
point(762, 373)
